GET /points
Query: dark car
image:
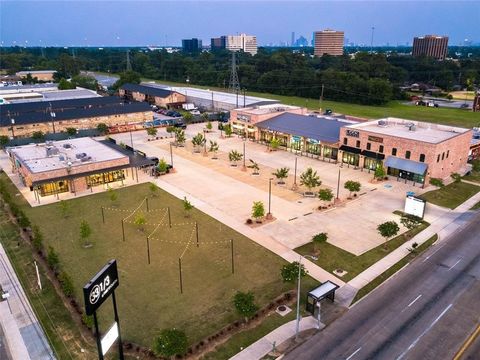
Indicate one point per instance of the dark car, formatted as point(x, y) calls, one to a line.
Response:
point(180, 124)
point(328, 112)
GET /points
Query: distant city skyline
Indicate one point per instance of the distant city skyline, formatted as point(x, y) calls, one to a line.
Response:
point(160, 23)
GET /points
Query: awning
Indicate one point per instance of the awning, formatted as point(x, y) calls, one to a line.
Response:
point(235, 126)
point(406, 165)
point(350, 149)
point(373, 155)
point(251, 130)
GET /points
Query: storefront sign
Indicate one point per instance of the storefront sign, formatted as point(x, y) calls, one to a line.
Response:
point(243, 117)
point(375, 139)
point(296, 139)
point(97, 290)
point(415, 206)
point(353, 133)
point(313, 141)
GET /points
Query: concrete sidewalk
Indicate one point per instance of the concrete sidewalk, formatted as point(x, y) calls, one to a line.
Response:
point(443, 227)
point(263, 346)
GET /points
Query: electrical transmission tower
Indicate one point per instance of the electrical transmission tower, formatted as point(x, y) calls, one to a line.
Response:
point(129, 64)
point(234, 84)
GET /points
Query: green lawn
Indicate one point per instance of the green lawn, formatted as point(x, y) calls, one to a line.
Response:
point(452, 195)
point(149, 297)
point(474, 176)
point(332, 257)
point(393, 269)
point(454, 117)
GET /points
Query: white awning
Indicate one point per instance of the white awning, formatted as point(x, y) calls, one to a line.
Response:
point(235, 126)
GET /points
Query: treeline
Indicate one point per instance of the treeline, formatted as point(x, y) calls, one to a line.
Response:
point(363, 78)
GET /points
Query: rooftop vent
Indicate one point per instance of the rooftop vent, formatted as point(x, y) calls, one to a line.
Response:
point(51, 151)
point(67, 146)
point(86, 158)
point(61, 158)
point(80, 155)
point(382, 123)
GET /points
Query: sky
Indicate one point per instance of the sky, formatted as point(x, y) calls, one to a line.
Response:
point(141, 23)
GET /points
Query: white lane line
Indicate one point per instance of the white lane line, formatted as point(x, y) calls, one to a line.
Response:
point(424, 332)
point(413, 302)
point(356, 351)
point(428, 257)
point(454, 264)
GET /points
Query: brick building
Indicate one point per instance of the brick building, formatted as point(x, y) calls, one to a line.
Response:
point(22, 119)
point(73, 165)
point(161, 97)
point(410, 150)
point(430, 45)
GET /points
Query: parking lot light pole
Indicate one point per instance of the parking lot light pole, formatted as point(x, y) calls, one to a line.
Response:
point(171, 155)
point(338, 184)
point(269, 214)
point(204, 142)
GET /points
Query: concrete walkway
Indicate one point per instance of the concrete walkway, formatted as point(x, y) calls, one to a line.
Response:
point(444, 226)
point(263, 346)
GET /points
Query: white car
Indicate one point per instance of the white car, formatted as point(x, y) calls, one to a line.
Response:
point(194, 112)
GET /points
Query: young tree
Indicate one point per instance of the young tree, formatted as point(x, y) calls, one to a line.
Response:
point(71, 131)
point(37, 240)
point(140, 221)
point(187, 206)
point(245, 304)
point(280, 174)
point(379, 172)
point(187, 117)
point(153, 189)
point(290, 271)
point(112, 194)
point(102, 128)
point(274, 143)
point(258, 210)
point(85, 232)
point(254, 166)
point(205, 116)
point(213, 148)
point(171, 130)
point(234, 156)
point(38, 136)
point(326, 195)
point(4, 140)
point(410, 221)
point(198, 141)
point(152, 131)
point(209, 126)
point(180, 137)
point(170, 342)
point(162, 167)
point(64, 208)
point(228, 130)
point(388, 229)
point(352, 186)
point(53, 260)
point(318, 240)
point(310, 179)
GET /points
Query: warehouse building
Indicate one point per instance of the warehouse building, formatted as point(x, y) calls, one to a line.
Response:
point(160, 97)
point(74, 165)
point(41, 75)
point(409, 150)
point(22, 120)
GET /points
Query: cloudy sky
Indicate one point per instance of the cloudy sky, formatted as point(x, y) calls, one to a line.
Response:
point(139, 23)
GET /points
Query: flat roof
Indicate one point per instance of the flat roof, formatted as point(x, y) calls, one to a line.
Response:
point(148, 90)
point(36, 72)
point(323, 289)
point(410, 129)
point(324, 129)
point(267, 109)
point(64, 154)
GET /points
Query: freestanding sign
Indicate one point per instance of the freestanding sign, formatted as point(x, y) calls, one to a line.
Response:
point(415, 206)
point(95, 292)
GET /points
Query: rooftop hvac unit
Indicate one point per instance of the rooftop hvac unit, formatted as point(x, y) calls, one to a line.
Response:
point(67, 146)
point(61, 158)
point(51, 151)
point(382, 123)
point(80, 155)
point(86, 158)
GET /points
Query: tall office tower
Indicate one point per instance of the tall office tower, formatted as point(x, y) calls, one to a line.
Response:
point(218, 43)
point(191, 45)
point(431, 45)
point(247, 43)
point(328, 42)
point(292, 42)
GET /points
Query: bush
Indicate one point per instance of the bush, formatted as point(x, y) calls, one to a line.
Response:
point(456, 177)
point(289, 272)
point(67, 284)
point(87, 320)
point(170, 342)
point(437, 182)
point(245, 304)
point(52, 259)
point(37, 240)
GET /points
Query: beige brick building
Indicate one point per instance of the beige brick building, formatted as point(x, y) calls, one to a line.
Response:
point(328, 42)
point(408, 150)
point(153, 95)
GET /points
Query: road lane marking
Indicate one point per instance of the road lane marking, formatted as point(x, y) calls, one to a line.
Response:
point(356, 351)
point(428, 257)
point(467, 343)
point(412, 345)
point(454, 264)
point(413, 302)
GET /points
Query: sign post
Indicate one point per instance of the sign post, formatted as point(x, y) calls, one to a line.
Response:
point(95, 293)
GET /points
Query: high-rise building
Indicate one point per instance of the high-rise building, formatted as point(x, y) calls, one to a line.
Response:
point(328, 42)
point(191, 45)
point(292, 42)
point(301, 41)
point(430, 45)
point(247, 43)
point(218, 43)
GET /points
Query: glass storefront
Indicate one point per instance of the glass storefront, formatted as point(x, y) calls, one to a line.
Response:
point(105, 178)
point(53, 188)
point(330, 152)
point(313, 148)
point(402, 174)
point(351, 159)
point(296, 143)
point(372, 164)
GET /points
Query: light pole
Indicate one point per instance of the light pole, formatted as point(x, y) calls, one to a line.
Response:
point(269, 214)
point(244, 166)
point(244, 96)
point(338, 184)
point(295, 175)
point(13, 123)
point(204, 142)
point(171, 155)
point(297, 327)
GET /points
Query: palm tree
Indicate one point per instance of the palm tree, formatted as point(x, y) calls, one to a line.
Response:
point(280, 174)
point(213, 149)
point(255, 167)
point(180, 138)
point(310, 180)
point(198, 141)
point(234, 156)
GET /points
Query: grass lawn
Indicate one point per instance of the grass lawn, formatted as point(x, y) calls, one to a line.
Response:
point(476, 206)
point(149, 296)
point(463, 95)
point(332, 257)
point(447, 116)
point(63, 334)
point(452, 195)
point(393, 269)
point(473, 176)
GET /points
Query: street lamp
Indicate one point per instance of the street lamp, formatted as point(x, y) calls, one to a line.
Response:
point(171, 155)
point(204, 142)
point(13, 123)
point(269, 214)
point(338, 184)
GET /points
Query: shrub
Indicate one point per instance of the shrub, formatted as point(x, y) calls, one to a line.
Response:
point(52, 259)
point(437, 182)
point(37, 240)
point(456, 177)
point(289, 272)
point(87, 320)
point(170, 342)
point(258, 210)
point(245, 304)
point(67, 284)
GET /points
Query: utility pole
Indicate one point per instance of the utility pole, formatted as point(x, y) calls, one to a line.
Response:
point(129, 65)
point(234, 84)
point(297, 327)
point(371, 40)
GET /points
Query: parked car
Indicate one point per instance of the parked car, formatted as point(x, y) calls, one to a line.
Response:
point(180, 124)
point(328, 112)
point(195, 112)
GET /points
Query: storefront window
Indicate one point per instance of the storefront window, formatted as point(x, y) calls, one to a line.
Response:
point(406, 175)
point(53, 188)
point(105, 178)
point(372, 164)
point(330, 152)
point(351, 159)
point(296, 143)
point(313, 148)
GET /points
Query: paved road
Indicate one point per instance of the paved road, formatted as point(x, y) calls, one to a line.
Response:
point(425, 312)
